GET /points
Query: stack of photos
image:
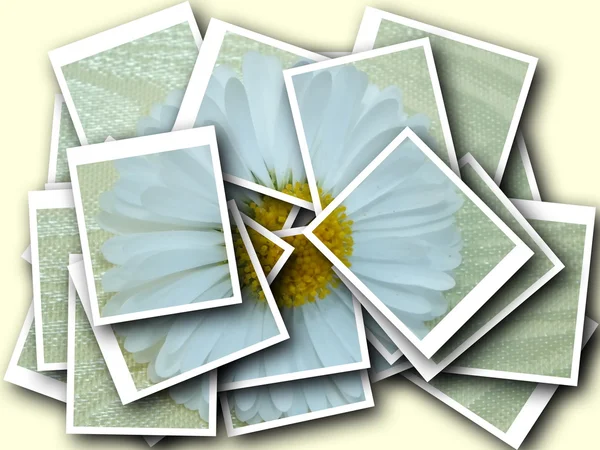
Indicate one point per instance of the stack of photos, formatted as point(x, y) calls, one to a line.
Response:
point(233, 222)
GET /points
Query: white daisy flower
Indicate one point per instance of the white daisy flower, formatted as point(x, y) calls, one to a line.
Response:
point(348, 121)
point(397, 232)
point(267, 211)
point(277, 401)
point(254, 125)
point(175, 344)
point(169, 248)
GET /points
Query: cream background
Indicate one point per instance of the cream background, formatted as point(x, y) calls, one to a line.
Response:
point(561, 124)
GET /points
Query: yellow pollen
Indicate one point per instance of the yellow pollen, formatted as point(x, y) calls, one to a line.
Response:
point(268, 253)
point(307, 276)
point(271, 213)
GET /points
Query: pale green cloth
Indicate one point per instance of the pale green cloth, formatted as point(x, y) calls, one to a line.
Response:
point(58, 236)
point(67, 138)
point(480, 88)
point(113, 89)
point(538, 338)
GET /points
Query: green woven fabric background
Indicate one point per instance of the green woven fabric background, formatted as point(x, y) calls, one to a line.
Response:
point(409, 72)
point(480, 89)
point(67, 138)
point(538, 337)
point(530, 273)
point(113, 89)
point(28, 360)
point(496, 401)
point(235, 46)
point(97, 403)
point(57, 237)
point(514, 182)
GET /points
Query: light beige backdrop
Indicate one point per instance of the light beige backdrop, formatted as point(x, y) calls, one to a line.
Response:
point(561, 130)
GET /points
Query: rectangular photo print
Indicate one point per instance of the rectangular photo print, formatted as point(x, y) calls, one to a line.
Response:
point(155, 232)
point(507, 409)
point(347, 110)
point(94, 406)
point(54, 235)
point(237, 86)
point(537, 271)
point(63, 137)
point(150, 355)
point(468, 70)
point(403, 234)
point(324, 320)
point(265, 407)
point(541, 341)
point(22, 367)
point(129, 81)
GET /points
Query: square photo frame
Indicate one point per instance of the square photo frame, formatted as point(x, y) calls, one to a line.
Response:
point(115, 209)
point(426, 167)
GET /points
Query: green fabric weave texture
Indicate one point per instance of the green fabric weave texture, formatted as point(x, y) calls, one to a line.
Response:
point(67, 138)
point(58, 236)
point(28, 359)
point(97, 403)
point(480, 88)
point(539, 337)
point(536, 267)
point(496, 401)
point(113, 89)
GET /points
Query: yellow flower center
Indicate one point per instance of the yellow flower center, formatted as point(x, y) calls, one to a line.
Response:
point(307, 275)
point(271, 213)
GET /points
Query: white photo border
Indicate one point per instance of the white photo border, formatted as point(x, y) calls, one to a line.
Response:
point(113, 354)
point(145, 145)
point(196, 90)
point(526, 418)
point(364, 363)
point(30, 379)
point(552, 212)
point(231, 431)
point(348, 59)
point(365, 40)
point(38, 200)
point(482, 292)
point(112, 38)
